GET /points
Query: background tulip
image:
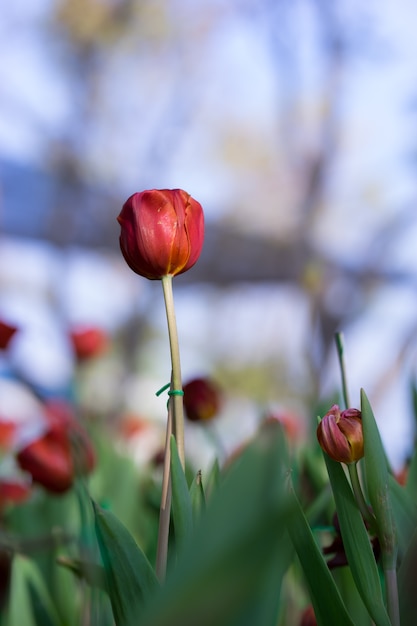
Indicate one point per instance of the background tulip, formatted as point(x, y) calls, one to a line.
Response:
point(6, 333)
point(340, 434)
point(162, 232)
point(201, 400)
point(88, 342)
point(60, 454)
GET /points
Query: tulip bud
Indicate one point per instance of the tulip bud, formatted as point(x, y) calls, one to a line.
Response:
point(162, 232)
point(13, 491)
point(308, 617)
point(201, 400)
point(340, 434)
point(6, 333)
point(49, 461)
point(88, 342)
point(61, 453)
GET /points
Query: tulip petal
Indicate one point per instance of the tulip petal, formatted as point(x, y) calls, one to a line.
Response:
point(332, 440)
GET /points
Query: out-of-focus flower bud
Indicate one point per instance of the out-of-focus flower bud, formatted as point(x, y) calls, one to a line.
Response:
point(340, 434)
point(88, 342)
point(202, 400)
point(162, 232)
point(62, 453)
point(6, 333)
point(49, 461)
point(290, 421)
point(13, 491)
point(7, 434)
point(402, 475)
point(308, 617)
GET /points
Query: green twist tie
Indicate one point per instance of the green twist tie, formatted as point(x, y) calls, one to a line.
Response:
point(171, 392)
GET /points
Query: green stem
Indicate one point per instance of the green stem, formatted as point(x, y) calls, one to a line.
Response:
point(360, 498)
point(165, 506)
point(175, 400)
point(340, 354)
point(392, 595)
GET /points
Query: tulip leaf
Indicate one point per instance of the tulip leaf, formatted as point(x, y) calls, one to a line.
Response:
point(357, 544)
point(223, 573)
point(198, 499)
point(92, 573)
point(181, 500)
point(130, 578)
point(30, 603)
point(377, 480)
point(213, 480)
point(327, 602)
point(411, 482)
point(406, 584)
point(405, 513)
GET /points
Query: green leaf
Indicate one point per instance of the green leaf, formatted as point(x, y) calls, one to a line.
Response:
point(30, 603)
point(213, 480)
point(92, 573)
point(198, 499)
point(411, 482)
point(239, 542)
point(325, 596)
point(357, 544)
point(405, 513)
point(181, 501)
point(377, 480)
point(407, 585)
point(130, 578)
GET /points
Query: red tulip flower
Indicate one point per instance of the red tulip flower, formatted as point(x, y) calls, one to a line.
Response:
point(308, 617)
point(7, 434)
point(6, 333)
point(13, 491)
point(340, 434)
point(88, 342)
point(162, 232)
point(62, 453)
point(201, 400)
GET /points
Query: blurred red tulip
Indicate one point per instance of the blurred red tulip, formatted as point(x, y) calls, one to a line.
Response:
point(162, 232)
point(6, 333)
point(308, 617)
point(88, 342)
point(7, 434)
point(291, 422)
point(62, 453)
point(13, 491)
point(202, 400)
point(402, 475)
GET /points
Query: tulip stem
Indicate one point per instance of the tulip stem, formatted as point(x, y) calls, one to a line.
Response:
point(175, 400)
point(359, 497)
point(165, 506)
point(392, 595)
point(340, 353)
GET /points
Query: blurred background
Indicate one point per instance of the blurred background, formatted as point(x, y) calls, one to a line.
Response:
point(293, 123)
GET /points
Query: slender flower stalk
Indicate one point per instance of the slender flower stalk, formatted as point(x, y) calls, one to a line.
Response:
point(165, 505)
point(392, 595)
point(175, 425)
point(360, 498)
point(341, 355)
point(352, 467)
point(176, 393)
